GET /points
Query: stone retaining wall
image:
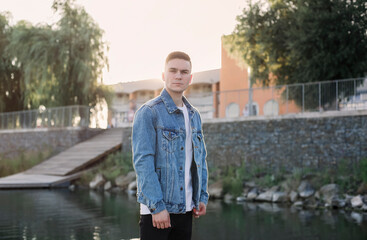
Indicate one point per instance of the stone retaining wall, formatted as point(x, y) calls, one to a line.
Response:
point(15, 142)
point(314, 140)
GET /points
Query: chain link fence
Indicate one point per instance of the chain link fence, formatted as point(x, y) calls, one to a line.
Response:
point(58, 117)
point(338, 95)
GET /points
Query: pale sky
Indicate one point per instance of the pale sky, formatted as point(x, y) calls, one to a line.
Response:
point(141, 33)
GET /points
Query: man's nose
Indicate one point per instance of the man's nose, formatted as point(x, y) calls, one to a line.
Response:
point(178, 75)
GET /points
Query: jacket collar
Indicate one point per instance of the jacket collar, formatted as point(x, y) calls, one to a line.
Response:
point(170, 105)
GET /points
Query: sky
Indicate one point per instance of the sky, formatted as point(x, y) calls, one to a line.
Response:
point(141, 33)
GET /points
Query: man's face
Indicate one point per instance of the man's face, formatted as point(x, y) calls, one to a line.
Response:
point(177, 75)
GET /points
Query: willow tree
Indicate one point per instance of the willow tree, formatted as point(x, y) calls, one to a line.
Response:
point(301, 41)
point(11, 84)
point(62, 63)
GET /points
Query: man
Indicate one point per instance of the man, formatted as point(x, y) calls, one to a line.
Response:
point(169, 157)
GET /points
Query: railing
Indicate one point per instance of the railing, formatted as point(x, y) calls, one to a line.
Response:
point(337, 95)
point(58, 117)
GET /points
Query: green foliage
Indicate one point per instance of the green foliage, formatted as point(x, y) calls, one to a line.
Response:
point(363, 170)
point(232, 181)
point(300, 41)
point(115, 164)
point(347, 173)
point(53, 65)
point(11, 86)
point(24, 161)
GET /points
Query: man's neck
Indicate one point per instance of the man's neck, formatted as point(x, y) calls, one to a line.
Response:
point(176, 97)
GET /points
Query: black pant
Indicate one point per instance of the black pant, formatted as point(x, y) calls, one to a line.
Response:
point(181, 228)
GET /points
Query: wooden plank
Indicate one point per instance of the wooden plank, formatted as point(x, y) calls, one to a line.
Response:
point(66, 165)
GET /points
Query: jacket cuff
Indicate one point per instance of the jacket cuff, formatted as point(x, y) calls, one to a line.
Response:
point(204, 198)
point(158, 207)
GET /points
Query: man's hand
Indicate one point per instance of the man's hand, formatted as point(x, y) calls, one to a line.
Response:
point(161, 220)
point(201, 211)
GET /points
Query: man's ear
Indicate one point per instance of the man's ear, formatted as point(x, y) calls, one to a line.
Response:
point(190, 79)
point(163, 76)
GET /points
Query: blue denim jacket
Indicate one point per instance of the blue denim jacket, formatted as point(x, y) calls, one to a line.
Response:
point(158, 141)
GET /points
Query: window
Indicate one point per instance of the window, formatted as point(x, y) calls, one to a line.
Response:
point(271, 108)
point(232, 110)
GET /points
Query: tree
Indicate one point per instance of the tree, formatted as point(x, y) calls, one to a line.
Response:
point(61, 63)
point(11, 84)
point(301, 41)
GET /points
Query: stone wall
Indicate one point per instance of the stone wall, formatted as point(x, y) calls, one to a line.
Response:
point(314, 140)
point(15, 142)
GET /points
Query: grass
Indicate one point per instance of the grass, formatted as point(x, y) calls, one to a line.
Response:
point(347, 174)
point(114, 165)
point(24, 161)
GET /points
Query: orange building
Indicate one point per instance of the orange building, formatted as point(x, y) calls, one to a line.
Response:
point(235, 93)
point(218, 93)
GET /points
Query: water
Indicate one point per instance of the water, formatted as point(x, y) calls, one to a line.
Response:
point(61, 214)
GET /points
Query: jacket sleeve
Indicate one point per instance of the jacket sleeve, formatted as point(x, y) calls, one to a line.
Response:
point(144, 133)
point(204, 195)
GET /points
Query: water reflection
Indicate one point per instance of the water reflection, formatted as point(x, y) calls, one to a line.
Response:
point(60, 214)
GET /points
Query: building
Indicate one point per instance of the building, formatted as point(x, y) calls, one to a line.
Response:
point(129, 96)
point(218, 93)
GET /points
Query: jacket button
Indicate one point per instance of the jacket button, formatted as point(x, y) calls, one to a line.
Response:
point(181, 168)
point(181, 188)
point(182, 148)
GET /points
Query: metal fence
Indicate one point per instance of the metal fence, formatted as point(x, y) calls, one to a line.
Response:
point(69, 116)
point(338, 95)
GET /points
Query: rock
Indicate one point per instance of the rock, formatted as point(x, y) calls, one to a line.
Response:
point(252, 194)
point(285, 185)
point(298, 204)
point(107, 186)
point(216, 190)
point(357, 217)
point(317, 195)
point(280, 197)
point(124, 181)
point(293, 196)
point(362, 189)
point(305, 190)
point(72, 187)
point(132, 187)
point(250, 184)
point(241, 199)
point(329, 192)
point(356, 202)
point(268, 195)
point(228, 198)
point(98, 181)
point(311, 202)
point(338, 203)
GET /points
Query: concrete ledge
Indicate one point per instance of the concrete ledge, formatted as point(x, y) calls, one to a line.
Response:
point(307, 115)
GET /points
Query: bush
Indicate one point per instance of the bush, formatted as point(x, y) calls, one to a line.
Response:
point(24, 161)
point(114, 165)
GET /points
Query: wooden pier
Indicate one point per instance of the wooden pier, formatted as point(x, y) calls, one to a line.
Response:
point(66, 166)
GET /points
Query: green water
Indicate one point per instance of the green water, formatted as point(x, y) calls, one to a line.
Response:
point(61, 214)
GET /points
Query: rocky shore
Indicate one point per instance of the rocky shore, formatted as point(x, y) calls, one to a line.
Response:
point(304, 197)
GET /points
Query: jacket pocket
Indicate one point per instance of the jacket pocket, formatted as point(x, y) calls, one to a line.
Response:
point(169, 140)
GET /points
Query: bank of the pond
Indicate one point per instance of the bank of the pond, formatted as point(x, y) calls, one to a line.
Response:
point(303, 189)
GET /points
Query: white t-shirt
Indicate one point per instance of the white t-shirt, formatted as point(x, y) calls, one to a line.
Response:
point(188, 154)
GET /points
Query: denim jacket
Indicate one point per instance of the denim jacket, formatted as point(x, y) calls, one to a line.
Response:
point(158, 142)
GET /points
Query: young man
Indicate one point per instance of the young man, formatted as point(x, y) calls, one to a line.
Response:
point(169, 157)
